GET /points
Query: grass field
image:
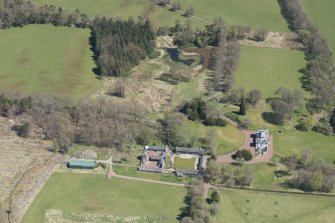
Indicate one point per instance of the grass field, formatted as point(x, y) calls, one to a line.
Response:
point(241, 12)
point(321, 15)
point(180, 163)
point(256, 13)
point(123, 9)
point(47, 59)
point(268, 69)
point(96, 194)
point(227, 138)
point(241, 206)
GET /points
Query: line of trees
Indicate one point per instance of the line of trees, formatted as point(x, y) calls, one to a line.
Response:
point(198, 210)
point(118, 45)
point(319, 71)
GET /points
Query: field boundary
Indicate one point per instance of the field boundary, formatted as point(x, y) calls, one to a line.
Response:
point(277, 191)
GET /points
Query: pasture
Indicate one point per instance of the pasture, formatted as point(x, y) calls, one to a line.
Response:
point(240, 12)
point(268, 69)
point(240, 206)
point(124, 9)
point(47, 59)
point(323, 21)
point(89, 193)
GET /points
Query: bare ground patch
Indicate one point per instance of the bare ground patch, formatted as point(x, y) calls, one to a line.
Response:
point(25, 164)
point(277, 40)
point(58, 216)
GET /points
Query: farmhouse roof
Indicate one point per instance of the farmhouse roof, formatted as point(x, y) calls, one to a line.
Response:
point(190, 150)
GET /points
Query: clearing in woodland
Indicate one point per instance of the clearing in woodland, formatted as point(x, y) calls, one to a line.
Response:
point(47, 59)
point(89, 193)
point(242, 206)
point(268, 69)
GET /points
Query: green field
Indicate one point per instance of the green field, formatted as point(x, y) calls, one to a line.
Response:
point(256, 13)
point(123, 9)
point(241, 206)
point(237, 12)
point(47, 59)
point(268, 69)
point(96, 194)
point(180, 163)
point(226, 139)
point(321, 13)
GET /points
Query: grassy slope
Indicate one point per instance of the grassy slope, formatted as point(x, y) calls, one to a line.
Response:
point(268, 69)
point(321, 13)
point(48, 59)
point(240, 12)
point(262, 208)
point(97, 194)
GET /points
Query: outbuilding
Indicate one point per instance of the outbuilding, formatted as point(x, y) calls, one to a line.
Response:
point(81, 164)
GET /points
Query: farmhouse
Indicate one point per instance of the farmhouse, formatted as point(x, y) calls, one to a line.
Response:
point(153, 159)
point(82, 164)
point(262, 141)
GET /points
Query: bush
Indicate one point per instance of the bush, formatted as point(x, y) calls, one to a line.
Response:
point(244, 124)
point(154, 54)
point(215, 122)
point(245, 154)
point(304, 125)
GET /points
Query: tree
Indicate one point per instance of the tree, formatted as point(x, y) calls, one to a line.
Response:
point(254, 96)
point(215, 196)
point(189, 11)
point(242, 106)
point(332, 120)
point(260, 34)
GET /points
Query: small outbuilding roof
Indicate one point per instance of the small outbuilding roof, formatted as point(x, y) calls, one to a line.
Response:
point(148, 169)
point(199, 151)
point(82, 164)
point(156, 148)
point(189, 172)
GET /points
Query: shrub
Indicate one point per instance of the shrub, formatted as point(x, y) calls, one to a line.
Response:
point(244, 124)
point(304, 125)
point(215, 197)
point(245, 154)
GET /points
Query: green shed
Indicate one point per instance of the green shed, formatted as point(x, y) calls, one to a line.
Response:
point(82, 164)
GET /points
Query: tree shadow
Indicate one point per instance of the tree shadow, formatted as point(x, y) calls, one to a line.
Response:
point(92, 42)
point(185, 211)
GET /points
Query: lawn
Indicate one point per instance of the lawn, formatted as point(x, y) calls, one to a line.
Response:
point(268, 69)
point(96, 194)
point(323, 21)
point(226, 139)
point(47, 59)
point(240, 206)
point(256, 13)
point(180, 163)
